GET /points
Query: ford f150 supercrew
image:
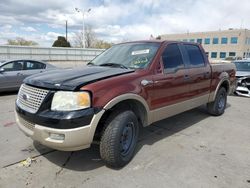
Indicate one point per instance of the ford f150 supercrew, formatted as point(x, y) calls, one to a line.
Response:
point(127, 86)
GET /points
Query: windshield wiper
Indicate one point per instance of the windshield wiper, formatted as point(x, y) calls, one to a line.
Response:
point(90, 63)
point(114, 65)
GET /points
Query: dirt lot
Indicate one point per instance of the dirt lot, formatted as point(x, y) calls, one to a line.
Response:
point(192, 149)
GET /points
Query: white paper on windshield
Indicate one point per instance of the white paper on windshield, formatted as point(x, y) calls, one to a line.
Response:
point(139, 52)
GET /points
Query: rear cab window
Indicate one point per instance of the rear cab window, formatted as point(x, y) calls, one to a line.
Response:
point(194, 55)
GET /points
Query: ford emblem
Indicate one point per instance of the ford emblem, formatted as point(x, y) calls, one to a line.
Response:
point(25, 97)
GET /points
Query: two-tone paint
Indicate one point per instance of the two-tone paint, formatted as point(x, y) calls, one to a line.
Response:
point(153, 94)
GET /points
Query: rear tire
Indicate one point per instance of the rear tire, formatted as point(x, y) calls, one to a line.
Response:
point(119, 139)
point(217, 107)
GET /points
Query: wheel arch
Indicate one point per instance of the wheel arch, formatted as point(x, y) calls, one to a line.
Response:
point(224, 82)
point(123, 102)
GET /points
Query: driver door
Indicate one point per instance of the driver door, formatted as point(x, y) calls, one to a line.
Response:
point(170, 86)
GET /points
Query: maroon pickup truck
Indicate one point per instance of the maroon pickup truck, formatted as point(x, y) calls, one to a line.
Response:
point(129, 85)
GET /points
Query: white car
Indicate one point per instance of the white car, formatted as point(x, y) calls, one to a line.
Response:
point(243, 77)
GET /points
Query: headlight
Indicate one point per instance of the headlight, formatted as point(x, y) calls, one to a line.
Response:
point(70, 101)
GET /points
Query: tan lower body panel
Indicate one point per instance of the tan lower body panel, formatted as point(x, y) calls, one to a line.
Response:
point(171, 110)
point(74, 139)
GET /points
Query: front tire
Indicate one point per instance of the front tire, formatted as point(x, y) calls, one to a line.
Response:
point(217, 107)
point(119, 139)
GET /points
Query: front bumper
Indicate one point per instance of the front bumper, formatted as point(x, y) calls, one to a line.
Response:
point(60, 139)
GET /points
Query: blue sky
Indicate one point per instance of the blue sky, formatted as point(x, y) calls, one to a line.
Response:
point(116, 20)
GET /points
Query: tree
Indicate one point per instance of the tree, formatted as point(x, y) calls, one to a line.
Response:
point(102, 44)
point(158, 38)
point(61, 42)
point(21, 42)
point(90, 38)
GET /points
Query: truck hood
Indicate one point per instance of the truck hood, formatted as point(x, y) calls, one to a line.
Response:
point(73, 79)
point(242, 73)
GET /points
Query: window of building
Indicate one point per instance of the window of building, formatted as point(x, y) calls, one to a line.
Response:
point(195, 56)
point(184, 40)
point(232, 54)
point(215, 40)
point(224, 40)
point(214, 55)
point(172, 59)
point(234, 40)
point(191, 40)
point(207, 40)
point(223, 54)
point(199, 41)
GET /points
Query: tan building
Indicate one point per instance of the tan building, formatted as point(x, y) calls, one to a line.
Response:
point(218, 44)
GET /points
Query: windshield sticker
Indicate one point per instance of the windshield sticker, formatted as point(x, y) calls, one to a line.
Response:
point(139, 52)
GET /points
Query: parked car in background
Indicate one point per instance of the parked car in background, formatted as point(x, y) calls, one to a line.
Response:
point(243, 77)
point(13, 72)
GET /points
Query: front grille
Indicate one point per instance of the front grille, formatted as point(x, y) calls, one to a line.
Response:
point(26, 124)
point(30, 98)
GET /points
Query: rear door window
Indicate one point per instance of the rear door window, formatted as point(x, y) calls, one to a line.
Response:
point(172, 58)
point(32, 65)
point(195, 56)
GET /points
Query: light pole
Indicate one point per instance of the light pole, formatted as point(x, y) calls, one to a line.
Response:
point(83, 24)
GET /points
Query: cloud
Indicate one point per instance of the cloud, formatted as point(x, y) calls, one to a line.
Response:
point(6, 28)
point(119, 20)
point(28, 29)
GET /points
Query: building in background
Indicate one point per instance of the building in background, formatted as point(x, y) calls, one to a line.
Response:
point(222, 44)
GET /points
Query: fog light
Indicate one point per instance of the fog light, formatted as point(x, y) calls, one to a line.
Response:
point(56, 136)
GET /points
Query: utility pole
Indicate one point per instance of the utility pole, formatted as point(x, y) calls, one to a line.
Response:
point(66, 30)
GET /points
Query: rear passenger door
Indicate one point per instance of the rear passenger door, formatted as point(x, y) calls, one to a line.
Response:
point(33, 67)
point(170, 86)
point(199, 70)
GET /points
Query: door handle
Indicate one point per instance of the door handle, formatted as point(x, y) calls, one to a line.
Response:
point(146, 82)
point(186, 77)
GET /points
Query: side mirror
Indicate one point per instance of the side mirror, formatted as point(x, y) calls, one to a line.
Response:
point(2, 70)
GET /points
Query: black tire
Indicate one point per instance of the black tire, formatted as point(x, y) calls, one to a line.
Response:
point(120, 127)
point(217, 107)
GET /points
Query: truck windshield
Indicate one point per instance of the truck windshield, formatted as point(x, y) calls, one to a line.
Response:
point(242, 66)
point(128, 55)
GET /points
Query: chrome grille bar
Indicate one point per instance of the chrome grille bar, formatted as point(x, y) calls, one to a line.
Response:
point(30, 98)
point(27, 124)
